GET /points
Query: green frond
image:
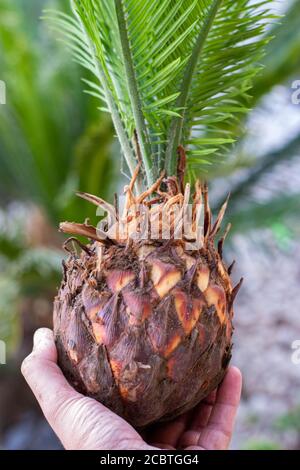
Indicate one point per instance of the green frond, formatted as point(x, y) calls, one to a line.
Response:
point(169, 72)
point(228, 49)
point(81, 33)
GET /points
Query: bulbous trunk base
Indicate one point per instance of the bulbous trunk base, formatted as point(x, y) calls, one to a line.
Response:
point(145, 326)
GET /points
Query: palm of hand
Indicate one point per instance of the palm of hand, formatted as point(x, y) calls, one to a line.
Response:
point(83, 423)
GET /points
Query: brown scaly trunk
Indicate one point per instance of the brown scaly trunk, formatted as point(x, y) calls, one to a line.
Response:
point(145, 325)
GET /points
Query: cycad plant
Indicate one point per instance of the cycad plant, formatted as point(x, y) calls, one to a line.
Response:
point(143, 318)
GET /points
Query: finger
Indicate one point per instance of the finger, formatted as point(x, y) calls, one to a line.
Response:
point(43, 374)
point(79, 422)
point(43, 343)
point(162, 446)
point(199, 419)
point(167, 434)
point(222, 418)
point(216, 434)
point(203, 411)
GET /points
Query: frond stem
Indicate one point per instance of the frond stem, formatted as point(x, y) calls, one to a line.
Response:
point(135, 100)
point(119, 128)
point(176, 126)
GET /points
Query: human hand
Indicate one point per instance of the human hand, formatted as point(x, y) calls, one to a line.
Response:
point(82, 423)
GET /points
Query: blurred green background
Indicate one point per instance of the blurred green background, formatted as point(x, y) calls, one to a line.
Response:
point(54, 141)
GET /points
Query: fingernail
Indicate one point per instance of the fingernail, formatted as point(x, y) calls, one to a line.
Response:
point(36, 339)
point(39, 338)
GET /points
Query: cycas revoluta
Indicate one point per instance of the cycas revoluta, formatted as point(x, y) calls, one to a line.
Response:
point(143, 318)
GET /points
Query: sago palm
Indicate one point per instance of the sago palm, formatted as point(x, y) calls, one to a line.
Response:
point(143, 318)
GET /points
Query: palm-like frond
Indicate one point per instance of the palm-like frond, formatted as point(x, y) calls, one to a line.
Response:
point(134, 53)
point(224, 60)
point(169, 72)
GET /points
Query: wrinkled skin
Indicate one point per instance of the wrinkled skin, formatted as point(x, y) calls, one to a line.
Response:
point(82, 423)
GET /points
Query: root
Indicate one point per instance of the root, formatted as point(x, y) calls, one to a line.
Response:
point(156, 214)
point(74, 241)
point(84, 230)
point(222, 240)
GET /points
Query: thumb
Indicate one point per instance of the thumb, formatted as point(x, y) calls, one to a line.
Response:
point(43, 345)
point(43, 374)
point(78, 421)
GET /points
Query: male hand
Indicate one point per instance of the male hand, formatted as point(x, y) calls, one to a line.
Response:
point(82, 423)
